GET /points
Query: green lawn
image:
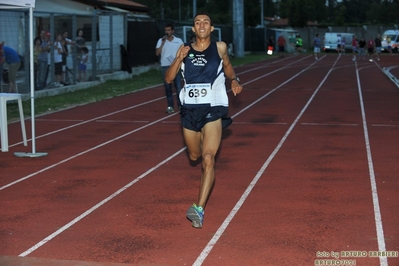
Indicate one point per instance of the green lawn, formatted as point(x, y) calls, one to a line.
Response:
point(105, 90)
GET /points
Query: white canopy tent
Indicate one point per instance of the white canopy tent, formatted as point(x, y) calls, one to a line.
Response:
point(30, 4)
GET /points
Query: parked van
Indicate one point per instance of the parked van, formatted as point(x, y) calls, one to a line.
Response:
point(394, 35)
point(330, 41)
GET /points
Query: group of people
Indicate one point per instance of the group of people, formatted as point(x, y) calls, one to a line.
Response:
point(374, 47)
point(42, 59)
point(281, 45)
point(203, 102)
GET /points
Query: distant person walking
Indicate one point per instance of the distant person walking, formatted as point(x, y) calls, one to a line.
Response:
point(270, 45)
point(343, 43)
point(370, 47)
point(354, 47)
point(167, 47)
point(389, 45)
point(298, 44)
point(378, 45)
point(281, 45)
point(316, 46)
point(339, 43)
point(362, 49)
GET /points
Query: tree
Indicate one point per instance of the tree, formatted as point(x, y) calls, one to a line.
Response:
point(299, 12)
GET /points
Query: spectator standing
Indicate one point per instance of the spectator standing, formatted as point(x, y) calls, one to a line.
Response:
point(14, 62)
point(80, 41)
point(339, 43)
point(167, 47)
point(281, 45)
point(66, 41)
point(43, 59)
point(317, 46)
point(343, 43)
point(83, 64)
point(37, 50)
point(362, 49)
point(370, 47)
point(270, 45)
point(354, 47)
point(205, 65)
point(389, 45)
point(58, 51)
point(377, 43)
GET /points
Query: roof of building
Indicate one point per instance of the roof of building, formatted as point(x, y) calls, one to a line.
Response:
point(123, 4)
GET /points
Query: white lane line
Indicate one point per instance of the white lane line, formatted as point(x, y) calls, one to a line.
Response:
point(205, 252)
point(121, 121)
point(327, 124)
point(98, 205)
point(59, 120)
point(374, 193)
point(382, 125)
point(259, 123)
point(81, 153)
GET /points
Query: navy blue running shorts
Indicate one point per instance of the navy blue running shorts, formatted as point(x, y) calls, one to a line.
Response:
point(196, 118)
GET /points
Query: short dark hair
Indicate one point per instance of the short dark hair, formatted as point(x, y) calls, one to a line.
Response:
point(170, 25)
point(37, 38)
point(77, 31)
point(203, 13)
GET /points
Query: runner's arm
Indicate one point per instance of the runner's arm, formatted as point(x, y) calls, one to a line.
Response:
point(228, 68)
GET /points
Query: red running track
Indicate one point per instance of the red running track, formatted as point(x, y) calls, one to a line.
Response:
point(307, 174)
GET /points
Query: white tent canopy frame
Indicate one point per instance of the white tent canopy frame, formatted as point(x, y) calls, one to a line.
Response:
point(13, 4)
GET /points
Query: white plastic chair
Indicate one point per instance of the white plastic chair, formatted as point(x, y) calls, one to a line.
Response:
point(4, 98)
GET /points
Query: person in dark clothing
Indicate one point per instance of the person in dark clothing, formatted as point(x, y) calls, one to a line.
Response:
point(270, 45)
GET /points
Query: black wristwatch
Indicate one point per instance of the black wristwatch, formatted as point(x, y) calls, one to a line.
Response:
point(237, 79)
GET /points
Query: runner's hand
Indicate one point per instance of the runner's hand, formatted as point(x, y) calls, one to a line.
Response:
point(183, 52)
point(236, 87)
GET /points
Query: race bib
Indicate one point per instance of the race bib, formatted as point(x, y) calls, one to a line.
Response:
point(198, 93)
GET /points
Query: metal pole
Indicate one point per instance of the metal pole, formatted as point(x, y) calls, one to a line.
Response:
point(194, 7)
point(261, 14)
point(32, 94)
point(238, 27)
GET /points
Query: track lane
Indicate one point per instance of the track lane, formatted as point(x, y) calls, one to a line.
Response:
point(193, 192)
point(77, 168)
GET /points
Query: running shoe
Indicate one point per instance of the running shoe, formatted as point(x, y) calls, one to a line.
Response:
point(170, 110)
point(196, 215)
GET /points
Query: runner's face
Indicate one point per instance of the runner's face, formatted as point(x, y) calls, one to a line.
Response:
point(202, 26)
